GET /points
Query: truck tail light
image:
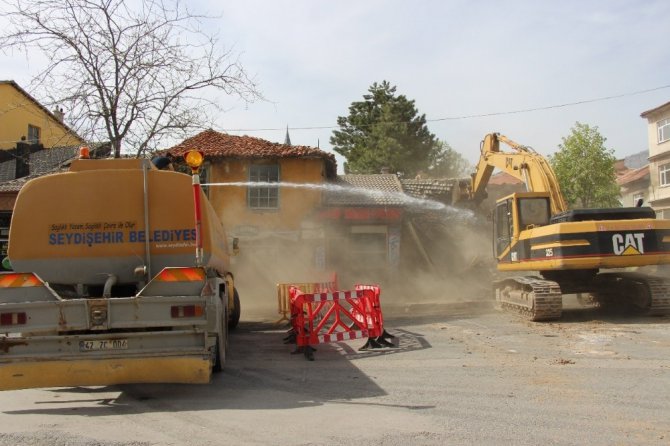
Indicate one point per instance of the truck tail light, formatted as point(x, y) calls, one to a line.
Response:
point(179, 311)
point(19, 280)
point(13, 319)
point(181, 275)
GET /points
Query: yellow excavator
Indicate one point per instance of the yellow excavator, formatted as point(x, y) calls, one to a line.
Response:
point(581, 251)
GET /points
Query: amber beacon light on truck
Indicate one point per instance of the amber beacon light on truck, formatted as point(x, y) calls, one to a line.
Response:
point(194, 159)
point(84, 153)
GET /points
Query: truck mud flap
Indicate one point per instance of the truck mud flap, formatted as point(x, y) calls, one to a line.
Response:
point(102, 372)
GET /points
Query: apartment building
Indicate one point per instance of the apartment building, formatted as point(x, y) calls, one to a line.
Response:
point(658, 133)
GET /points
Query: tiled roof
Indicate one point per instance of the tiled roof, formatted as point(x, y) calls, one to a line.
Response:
point(502, 178)
point(15, 185)
point(214, 144)
point(43, 162)
point(365, 190)
point(633, 175)
point(46, 160)
point(440, 189)
point(7, 170)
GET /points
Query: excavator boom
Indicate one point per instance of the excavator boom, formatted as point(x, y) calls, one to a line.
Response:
point(522, 163)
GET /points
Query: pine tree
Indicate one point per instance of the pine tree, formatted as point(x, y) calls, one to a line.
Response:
point(384, 131)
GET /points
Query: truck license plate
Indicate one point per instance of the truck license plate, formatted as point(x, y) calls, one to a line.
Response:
point(103, 344)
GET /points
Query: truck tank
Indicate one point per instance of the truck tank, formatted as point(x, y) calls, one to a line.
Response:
point(82, 226)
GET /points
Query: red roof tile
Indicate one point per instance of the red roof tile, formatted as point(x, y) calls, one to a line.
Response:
point(504, 178)
point(633, 175)
point(214, 144)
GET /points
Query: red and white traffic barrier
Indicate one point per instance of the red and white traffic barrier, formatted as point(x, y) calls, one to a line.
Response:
point(318, 318)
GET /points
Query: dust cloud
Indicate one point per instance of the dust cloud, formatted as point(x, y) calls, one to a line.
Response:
point(444, 262)
point(440, 263)
point(444, 257)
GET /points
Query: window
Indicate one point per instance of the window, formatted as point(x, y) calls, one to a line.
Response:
point(33, 134)
point(533, 212)
point(503, 226)
point(664, 174)
point(5, 219)
point(368, 246)
point(263, 197)
point(663, 130)
point(637, 197)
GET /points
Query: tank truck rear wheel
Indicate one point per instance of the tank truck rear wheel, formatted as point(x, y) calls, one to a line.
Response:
point(221, 344)
point(235, 313)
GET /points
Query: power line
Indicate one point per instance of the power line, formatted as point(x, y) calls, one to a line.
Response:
point(549, 107)
point(476, 115)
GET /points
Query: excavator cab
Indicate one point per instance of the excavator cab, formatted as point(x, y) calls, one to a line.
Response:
point(515, 213)
point(502, 226)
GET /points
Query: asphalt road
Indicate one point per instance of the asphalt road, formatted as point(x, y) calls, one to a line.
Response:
point(461, 374)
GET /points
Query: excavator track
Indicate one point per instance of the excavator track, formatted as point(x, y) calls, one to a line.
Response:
point(649, 294)
point(660, 296)
point(535, 298)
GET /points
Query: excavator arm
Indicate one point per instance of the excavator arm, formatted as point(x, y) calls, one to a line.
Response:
point(522, 163)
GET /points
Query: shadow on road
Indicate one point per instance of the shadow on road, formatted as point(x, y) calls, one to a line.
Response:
point(404, 341)
point(260, 374)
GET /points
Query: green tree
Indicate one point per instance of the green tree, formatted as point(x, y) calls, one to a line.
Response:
point(585, 169)
point(384, 130)
point(447, 163)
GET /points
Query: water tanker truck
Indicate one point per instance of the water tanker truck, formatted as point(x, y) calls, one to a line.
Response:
point(119, 275)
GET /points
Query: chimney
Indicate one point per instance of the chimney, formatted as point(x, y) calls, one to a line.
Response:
point(59, 113)
point(22, 157)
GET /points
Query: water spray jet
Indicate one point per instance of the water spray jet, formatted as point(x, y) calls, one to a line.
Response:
point(399, 198)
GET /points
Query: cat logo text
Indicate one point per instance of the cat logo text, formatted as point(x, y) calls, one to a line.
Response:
point(628, 244)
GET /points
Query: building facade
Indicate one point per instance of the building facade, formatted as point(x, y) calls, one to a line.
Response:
point(294, 217)
point(24, 119)
point(658, 133)
point(362, 216)
point(634, 186)
point(267, 195)
point(26, 128)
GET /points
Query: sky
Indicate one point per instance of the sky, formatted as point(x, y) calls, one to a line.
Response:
point(457, 60)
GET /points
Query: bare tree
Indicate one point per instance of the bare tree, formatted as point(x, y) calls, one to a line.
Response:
point(137, 72)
